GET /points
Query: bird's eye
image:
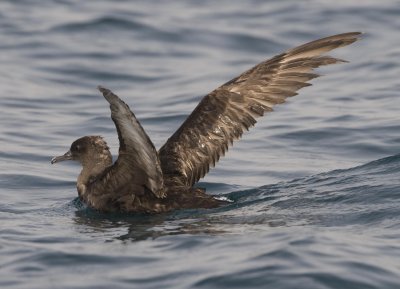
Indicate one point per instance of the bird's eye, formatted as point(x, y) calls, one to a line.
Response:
point(76, 148)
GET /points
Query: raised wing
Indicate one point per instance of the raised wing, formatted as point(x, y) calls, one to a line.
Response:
point(138, 165)
point(223, 115)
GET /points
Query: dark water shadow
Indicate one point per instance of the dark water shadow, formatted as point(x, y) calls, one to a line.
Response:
point(140, 227)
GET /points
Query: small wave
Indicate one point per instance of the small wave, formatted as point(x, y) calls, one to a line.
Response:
point(111, 23)
point(24, 181)
point(100, 24)
point(364, 194)
point(99, 76)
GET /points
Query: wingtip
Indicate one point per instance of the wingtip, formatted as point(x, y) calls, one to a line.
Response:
point(108, 94)
point(354, 36)
point(348, 38)
point(351, 34)
point(356, 32)
point(102, 89)
point(359, 35)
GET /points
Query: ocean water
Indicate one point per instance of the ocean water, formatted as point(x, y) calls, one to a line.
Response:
point(315, 185)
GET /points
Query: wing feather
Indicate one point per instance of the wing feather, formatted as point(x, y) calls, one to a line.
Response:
point(223, 115)
point(138, 164)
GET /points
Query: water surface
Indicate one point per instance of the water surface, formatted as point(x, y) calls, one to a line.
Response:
point(315, 185)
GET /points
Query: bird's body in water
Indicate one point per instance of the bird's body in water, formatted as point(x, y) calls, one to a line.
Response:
point(145, 180)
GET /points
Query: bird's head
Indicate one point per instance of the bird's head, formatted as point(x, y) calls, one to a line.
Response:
point(86, 150)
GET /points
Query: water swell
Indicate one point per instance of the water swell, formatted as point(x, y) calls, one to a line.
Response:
point(101, 23)
point(330, 199)
point(105, 24)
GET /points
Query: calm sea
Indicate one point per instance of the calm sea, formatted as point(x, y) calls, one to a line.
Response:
point(316, 185)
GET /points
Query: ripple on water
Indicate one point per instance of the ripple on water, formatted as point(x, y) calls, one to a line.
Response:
point(301, 229)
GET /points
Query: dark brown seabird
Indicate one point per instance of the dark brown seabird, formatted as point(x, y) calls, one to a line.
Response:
point(146, 181)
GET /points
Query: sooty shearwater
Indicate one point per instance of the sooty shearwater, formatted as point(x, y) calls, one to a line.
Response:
point(146, 181)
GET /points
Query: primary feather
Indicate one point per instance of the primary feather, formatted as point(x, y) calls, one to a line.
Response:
point(224, 114)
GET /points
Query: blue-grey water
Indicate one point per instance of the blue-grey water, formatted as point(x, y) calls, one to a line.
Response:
point(315, 186)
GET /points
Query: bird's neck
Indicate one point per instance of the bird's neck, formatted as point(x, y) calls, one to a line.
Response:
point(92, 167)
